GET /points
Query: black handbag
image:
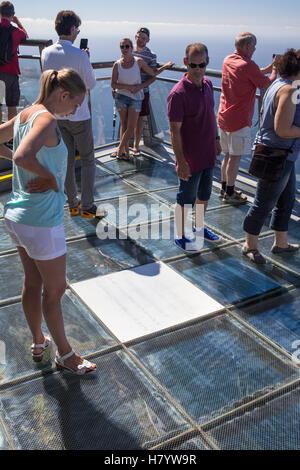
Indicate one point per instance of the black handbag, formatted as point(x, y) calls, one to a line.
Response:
point(268, 163)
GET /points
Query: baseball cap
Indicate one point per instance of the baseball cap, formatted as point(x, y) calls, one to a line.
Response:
point(144, 30)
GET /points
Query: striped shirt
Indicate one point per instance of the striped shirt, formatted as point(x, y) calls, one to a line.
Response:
point(150, 58)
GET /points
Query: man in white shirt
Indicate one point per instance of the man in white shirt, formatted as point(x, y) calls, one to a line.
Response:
point(76, 129)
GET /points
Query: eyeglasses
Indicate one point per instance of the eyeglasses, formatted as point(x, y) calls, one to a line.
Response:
point(201, 66)
point(126, 46)
point(77, 30)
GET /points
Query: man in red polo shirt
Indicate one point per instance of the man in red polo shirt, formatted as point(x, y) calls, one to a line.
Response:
point(195, 142)
point(9, 73)
point(241, 76)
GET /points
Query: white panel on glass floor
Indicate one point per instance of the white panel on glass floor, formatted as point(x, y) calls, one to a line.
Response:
point(135, 302)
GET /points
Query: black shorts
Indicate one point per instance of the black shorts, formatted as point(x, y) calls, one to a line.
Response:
point(12, 89)
point(145, 105)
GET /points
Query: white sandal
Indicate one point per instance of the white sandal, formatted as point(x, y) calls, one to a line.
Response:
point(44, 346)
point(81, 368)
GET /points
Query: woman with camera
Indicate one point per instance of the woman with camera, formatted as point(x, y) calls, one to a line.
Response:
point(279, 129)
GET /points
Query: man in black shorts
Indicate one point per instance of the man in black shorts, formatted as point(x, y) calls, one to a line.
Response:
point(9, 72)
point(142, 37)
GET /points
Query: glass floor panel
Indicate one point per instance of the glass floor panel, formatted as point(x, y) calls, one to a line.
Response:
point(209, 365)
point(160, 176)
point(137, 209)
point(229, 277)
point(270, 426)
point(277, 317)
point(133, 165)
point(229, 220)
point(85, 334)
point(77, 225)
point(91, 257)
point(217, 361)
point(112, 186)
point(117, 408)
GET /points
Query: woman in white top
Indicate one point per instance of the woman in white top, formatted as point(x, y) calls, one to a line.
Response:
point(126, 80)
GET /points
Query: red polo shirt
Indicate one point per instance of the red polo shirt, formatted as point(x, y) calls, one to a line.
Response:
point(241, 76)
point(17, 36)
point(194, 107)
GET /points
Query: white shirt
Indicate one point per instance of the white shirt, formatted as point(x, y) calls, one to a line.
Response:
point(62, 55)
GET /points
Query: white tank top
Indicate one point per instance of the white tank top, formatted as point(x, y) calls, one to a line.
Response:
point(131, 76)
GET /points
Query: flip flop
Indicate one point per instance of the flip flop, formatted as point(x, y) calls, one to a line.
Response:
point(136, 153)
point(114, 154)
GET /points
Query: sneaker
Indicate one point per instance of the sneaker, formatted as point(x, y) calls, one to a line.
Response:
point(93, 211)
point(186, 245)
point(236, 198)
point(211, 237)
point(73, 211)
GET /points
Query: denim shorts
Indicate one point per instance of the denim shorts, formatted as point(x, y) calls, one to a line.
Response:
point(198, 186)
point(125, 102)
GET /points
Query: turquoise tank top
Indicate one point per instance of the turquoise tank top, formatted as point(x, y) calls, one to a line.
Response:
point(267, 135)
point(38, 209)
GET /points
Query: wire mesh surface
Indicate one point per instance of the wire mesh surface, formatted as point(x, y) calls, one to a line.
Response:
point(226, 381)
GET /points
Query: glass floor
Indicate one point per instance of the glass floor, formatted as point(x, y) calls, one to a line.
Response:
point(192, 351)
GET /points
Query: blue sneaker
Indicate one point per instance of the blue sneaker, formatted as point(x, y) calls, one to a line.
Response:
point(186, 245)
point(211, 237)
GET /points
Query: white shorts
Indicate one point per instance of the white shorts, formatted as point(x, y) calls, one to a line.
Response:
point(236, 143)
point(40, 243)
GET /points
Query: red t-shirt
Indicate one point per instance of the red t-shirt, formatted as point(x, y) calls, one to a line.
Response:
point(17, 36)
point(194, 107)
point(241, 76)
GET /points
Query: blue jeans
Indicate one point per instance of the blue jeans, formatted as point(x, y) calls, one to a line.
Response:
point(269, 195)
point(124, 102)
point(198, 186)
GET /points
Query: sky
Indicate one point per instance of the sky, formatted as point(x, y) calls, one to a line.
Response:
point(166, 17)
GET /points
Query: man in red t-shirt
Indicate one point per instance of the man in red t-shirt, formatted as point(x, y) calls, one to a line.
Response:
point(241, 76)
point(9, 73)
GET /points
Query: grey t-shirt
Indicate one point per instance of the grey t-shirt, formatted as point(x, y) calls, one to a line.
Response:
point(150, 58)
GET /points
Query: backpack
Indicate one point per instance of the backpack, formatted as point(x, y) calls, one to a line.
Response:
point(6, 44)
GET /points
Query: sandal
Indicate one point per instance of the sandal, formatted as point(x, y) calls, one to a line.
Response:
point(236, 198)
point(37, 357)
point(289, 249)
point(75, 210)
point(136, 153)
point(114, 154)
point(254, 256)
point(82, 369)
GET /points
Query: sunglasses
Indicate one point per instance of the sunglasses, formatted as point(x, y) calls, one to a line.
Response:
point(126, 46)
point(201, 66)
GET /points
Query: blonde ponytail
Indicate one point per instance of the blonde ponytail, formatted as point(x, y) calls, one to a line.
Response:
point(67, 79)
